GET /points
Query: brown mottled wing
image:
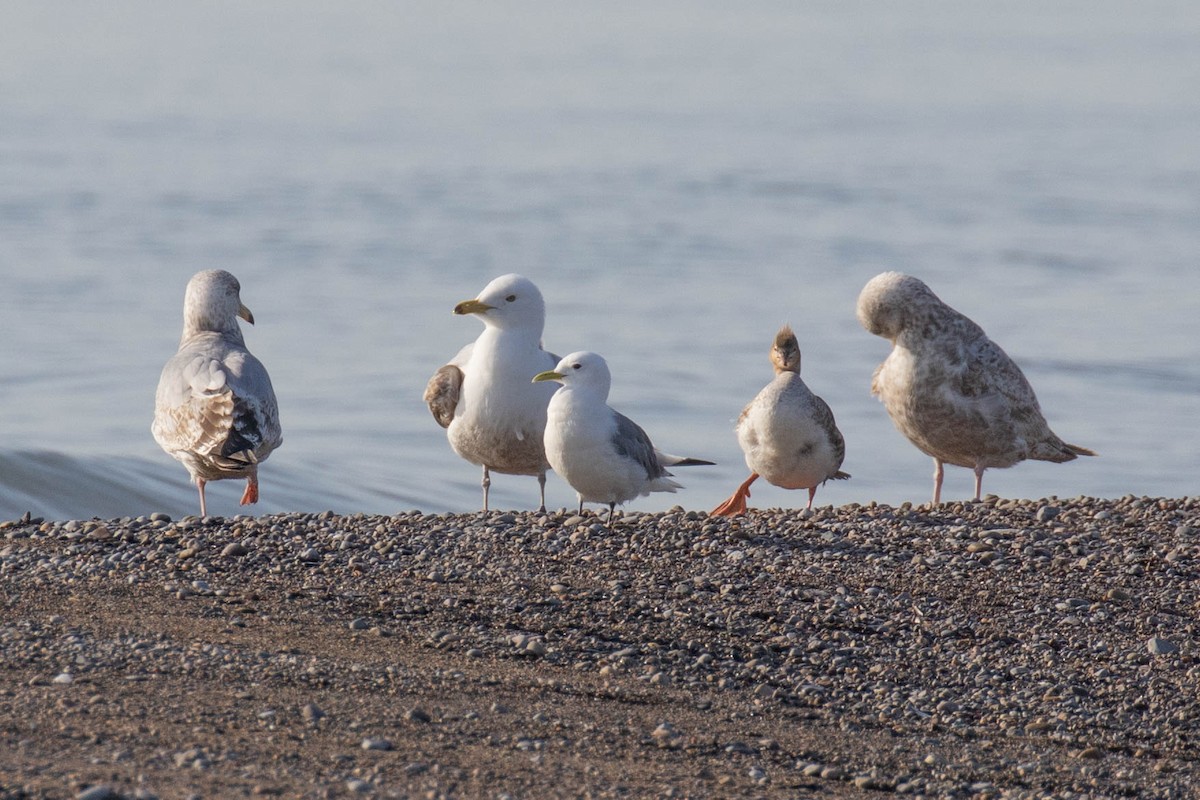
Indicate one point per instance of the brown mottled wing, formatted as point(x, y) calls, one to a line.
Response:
point(215, 403)
point(442, 393)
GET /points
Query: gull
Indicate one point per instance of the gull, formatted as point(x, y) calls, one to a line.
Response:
point(602, 454)
point(215, 410)
point(787, 433)
point(949, 388)
point(494, 417)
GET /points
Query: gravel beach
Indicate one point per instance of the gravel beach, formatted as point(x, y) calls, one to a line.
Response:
point(1007, 648)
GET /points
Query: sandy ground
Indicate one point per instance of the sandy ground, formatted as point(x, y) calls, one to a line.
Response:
point(673, 656)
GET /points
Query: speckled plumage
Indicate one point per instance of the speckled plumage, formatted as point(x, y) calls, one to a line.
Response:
point(788, 434)
point(494, 416)
point(215, 409)
point(950, 389)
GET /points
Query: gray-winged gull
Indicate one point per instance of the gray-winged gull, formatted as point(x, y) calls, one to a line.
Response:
point(949, 388)
point(602, 454)
point(787, 433)
point(215, 410)
point(493, 415)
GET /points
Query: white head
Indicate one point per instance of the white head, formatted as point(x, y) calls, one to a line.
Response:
point(891, 301)
point(509, 302)
point(213, 302)
point(583, 371)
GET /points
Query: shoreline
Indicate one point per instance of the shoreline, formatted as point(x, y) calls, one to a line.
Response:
point(1010, 648)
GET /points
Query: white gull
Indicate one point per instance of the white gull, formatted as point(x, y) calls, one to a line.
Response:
point(493, 415)
point(602, 454)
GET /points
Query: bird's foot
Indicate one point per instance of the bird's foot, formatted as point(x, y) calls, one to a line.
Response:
point(732, 507)
point(251, 494)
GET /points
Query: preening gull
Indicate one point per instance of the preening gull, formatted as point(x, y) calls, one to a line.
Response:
point(602, 454)
point(787, 433)
point(493, 414)
point(215, 410)
point(949, 388)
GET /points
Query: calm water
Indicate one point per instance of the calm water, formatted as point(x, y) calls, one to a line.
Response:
point(679, 179)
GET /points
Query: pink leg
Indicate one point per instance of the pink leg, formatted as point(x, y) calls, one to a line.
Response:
point(938, 472)
point(487, 484)
point(200, 482)
point(737, 503)
point(979, 482)
point(812, 492)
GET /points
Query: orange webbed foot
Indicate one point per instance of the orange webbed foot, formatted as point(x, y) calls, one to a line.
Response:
point(251, 493)
point(737, 503)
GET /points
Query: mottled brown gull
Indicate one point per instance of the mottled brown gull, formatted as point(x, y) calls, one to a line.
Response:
point(215, 409)
point(949, 388)
point(602, 454)
point(787, 433)
point(493, 414)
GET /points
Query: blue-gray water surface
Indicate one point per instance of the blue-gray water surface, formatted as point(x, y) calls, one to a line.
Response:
point(678, 178)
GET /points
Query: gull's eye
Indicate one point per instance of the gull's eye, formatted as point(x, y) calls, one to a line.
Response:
point(576, 366)
point(510, 298)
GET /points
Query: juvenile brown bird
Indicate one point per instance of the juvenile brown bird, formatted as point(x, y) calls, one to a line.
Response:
point(949, 388)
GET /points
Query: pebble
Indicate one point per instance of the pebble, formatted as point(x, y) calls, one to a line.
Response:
point(100, 792)
point(234, 550)
point(417, 714)
point(1154, 645)
point(1008, 620)
point(376, 743)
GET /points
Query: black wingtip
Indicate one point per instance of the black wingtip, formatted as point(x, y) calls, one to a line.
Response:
point(694, 462)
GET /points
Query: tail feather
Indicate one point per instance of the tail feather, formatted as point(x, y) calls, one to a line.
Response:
point(1059, 451)
point(838, 476)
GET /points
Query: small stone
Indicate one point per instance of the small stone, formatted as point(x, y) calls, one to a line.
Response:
point(357, 786)
point(310, 555)
point(234, 550)
point(98, 793)
point(1156, 646)
point(360, 624)
point(376, 743)
point(832, 773)
point(312, 713)
point(1091, 753)
point(1047, 513)
point(63, 678)
point(417, 714)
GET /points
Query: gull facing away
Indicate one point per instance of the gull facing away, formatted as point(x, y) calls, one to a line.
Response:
point(602, 454)
point(949, 388)
point(787, 433)
point(493, 415)
point(215, 410)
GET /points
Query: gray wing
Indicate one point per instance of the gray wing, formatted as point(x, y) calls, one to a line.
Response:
point(632, 442)
point(255, 429)
point(823, 416)
point(445, 387)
